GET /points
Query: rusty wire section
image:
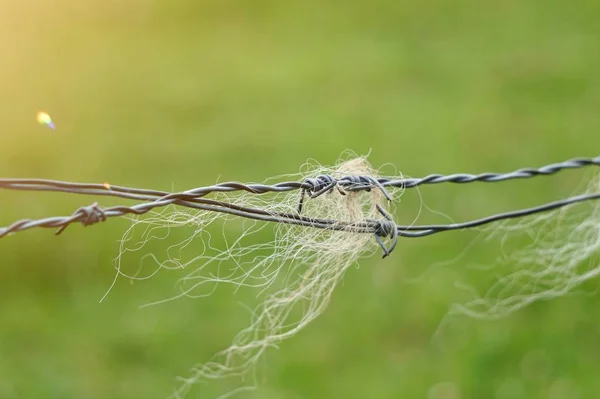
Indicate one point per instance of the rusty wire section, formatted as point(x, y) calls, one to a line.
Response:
point(309, 188)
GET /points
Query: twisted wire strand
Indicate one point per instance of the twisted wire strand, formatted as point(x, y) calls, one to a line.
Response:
point(312, 186)
point(488, 177)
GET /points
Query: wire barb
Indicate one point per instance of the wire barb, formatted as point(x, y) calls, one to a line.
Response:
point(386, 228)
point(317, 186)
point(367, 183)
point(87, 215)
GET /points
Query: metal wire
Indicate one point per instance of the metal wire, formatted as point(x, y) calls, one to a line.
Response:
point(311, 187)
point(524, 173)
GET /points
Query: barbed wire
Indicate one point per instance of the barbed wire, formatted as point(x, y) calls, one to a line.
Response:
point(310, 187)
point(350, 183)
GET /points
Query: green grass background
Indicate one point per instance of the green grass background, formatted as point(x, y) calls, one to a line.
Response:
point(179, 94)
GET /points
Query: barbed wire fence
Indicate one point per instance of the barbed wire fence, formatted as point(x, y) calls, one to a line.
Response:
point(325, 239)
point(311, 187)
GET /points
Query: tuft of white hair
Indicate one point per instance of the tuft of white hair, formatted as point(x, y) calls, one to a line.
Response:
point(295, 273)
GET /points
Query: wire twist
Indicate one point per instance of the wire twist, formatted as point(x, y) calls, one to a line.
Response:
point(523, 173)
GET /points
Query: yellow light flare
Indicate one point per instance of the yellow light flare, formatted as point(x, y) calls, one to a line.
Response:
point(44, 119)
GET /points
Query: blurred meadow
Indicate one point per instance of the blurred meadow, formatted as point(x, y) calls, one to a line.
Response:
point(174, 95)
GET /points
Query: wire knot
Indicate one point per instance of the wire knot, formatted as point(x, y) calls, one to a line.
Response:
point(317, 186)
point(87, 215)
point(386, 228)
